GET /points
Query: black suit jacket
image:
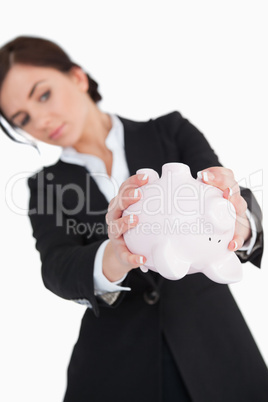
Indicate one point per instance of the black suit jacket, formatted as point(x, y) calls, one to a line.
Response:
point(118, 353)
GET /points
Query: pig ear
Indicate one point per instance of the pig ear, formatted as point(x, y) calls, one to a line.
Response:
point(221, 214)
point(153, 175)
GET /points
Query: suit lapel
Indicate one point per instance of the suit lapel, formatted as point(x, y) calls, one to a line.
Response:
point(141, 146)
point(78, 186)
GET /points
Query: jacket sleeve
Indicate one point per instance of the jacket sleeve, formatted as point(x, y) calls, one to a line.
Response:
point(255, 256)
point(67, 261)
point(195, 151)
point(188, 143)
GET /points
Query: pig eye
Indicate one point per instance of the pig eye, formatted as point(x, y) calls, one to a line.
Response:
point(219, 241)
point(209, 239)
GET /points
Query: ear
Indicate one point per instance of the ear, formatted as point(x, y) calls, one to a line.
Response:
point(153, 175)
point(221, 213)
point(79, 77)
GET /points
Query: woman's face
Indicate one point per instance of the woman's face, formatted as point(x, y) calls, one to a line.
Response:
point(52, 106)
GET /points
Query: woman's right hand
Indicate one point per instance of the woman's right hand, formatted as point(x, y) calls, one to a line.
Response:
point(118, 260)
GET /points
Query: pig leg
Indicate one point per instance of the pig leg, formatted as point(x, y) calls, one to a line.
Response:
point(228, 271)
point(167, 262)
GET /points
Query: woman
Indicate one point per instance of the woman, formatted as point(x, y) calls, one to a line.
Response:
point(143, 337)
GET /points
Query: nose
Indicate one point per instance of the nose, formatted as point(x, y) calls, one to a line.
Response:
point(43, 121)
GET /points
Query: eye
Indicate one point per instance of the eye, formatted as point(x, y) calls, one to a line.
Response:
point(45, 96)
point(25, 120)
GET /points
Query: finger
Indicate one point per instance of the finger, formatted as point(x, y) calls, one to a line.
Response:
point(237, 200)
point(223, 179)
point(118, 227)
point(129, 189)
point(218, 170)
point(241, 233)
point(236, 243)
point(119, 204)
point(134, 260)
point(233, 191)
point(240, 205)
point(129, 197)
point(134, 181)
point(128, 194)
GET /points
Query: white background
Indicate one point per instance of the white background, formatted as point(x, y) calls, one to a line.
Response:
point(207, 59)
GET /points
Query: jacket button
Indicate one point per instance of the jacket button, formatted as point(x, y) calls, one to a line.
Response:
point(151, 297)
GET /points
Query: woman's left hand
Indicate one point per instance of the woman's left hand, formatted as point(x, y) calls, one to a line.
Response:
point(224, 179)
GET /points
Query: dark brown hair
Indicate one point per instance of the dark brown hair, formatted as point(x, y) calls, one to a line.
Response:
point(37, 52)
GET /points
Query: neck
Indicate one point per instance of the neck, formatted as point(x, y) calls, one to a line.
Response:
point(97, 128)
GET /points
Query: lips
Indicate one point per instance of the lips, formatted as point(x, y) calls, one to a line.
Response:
point(56, 133)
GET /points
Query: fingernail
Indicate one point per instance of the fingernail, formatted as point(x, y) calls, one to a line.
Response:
point(234, 245)
point(230, 191)
point(131, 218)
point(139, 260)
point(205, 176)
point(208, 176)
point(142, 177)
point(136, 193)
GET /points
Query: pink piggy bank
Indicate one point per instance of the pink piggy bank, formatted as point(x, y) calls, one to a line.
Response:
point(184, 227)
